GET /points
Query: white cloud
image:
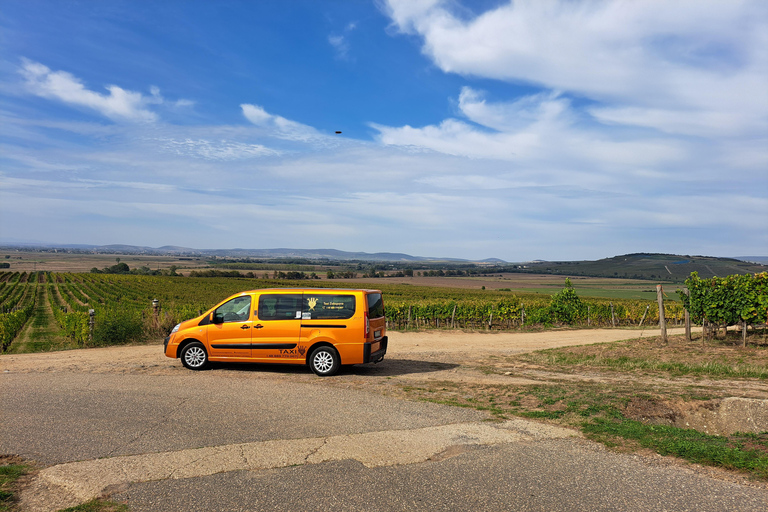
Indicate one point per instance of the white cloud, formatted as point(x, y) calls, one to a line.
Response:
point(119, 104)
point(279, 126)
point(341, 46)
point(651, 61)
point(535, 130)
point(340, 42)
point(216, 150)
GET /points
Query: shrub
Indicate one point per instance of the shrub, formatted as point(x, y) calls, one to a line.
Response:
point(565, 306)
point(117, 327)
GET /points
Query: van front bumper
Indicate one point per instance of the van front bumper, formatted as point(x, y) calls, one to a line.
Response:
point(377, 355)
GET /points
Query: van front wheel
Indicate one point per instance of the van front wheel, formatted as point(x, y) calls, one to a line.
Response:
point(194, 356)
point(324, 361)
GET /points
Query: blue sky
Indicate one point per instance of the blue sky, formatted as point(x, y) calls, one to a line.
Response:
point(519, 130)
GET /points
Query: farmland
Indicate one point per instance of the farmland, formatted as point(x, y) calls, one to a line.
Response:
point(46, 296)
point(58, 305)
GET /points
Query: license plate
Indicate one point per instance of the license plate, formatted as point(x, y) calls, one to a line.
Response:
point(376, 334)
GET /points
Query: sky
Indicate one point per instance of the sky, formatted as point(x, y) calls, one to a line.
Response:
point(531, 129)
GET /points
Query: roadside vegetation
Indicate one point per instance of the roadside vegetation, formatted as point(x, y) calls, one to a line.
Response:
point(13, 468)
point(98, 506)
point(626, 394)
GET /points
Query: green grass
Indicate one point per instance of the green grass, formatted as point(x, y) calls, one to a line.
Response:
point(9, 475)
point(744, 452)
point(673, 368)
point(98, 506)
point(603, 411)
point(598, 411)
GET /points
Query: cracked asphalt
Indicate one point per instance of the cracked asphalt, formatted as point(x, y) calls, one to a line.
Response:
point(161, 438)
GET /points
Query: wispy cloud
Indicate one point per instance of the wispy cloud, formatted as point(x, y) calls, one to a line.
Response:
point(118, 104)
point(340, 42)
point(279, 126)
point(535, 130)
point(216, 150)
point(694, 67)
point(341, 46)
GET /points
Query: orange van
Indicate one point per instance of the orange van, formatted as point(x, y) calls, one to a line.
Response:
point(323, 328)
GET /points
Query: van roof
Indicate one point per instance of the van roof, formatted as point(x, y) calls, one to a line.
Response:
point(297, 290)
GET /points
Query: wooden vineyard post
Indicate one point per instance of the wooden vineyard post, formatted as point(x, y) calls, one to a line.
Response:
point(453, 315)
point(156, 313)
point(490, 320)
point(91, 324)
point(743, 333)
point(588, 306)
point(408, 322)
point(662, 319)
point(613, 317)
point(646, 312)
point(687, 319)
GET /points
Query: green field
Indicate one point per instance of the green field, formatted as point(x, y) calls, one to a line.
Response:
point(49, 310)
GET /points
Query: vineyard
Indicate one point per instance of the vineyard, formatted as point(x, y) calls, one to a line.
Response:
point(122, 306)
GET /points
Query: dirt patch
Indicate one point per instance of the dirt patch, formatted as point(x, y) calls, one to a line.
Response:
point(8, 460)
point(446, 347)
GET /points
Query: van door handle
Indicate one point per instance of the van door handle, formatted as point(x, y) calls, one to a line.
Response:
point(245, 327)
point(258, 326)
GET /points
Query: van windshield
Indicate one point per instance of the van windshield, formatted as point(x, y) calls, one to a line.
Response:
point(375, 305)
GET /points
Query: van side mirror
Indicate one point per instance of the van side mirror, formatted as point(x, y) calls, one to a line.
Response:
point(216, 319)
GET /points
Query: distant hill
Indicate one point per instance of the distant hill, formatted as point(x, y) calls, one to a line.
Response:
point(666, 267)
point(652, 266)
point(763, 260)
point(308, 254)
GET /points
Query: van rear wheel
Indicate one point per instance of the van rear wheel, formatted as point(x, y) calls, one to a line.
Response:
point(324, 361)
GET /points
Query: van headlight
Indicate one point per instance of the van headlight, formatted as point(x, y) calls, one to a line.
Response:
point(175, 329)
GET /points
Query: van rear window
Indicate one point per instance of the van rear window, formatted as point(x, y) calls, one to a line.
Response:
point(375, 305)
point(328, 307)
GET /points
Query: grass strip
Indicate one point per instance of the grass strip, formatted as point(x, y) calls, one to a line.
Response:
point(601, 411)
point(98, 506)
point(745, 452)
point(9, 474)
point(675, 368)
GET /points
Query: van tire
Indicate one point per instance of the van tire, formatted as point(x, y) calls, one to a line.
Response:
point(324, 361)
point(194, 356)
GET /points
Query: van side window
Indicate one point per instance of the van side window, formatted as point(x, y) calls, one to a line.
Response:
point(235, 310)
point(279, 307)
point(328, 307)
point(375, 305)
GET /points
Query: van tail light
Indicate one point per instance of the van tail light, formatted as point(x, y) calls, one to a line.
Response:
point(367, 325)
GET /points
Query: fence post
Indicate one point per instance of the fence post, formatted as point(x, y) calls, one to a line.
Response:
point(744, 333)
point(91, 323)
point(408, 322)
point(453, 315)
point(613, 317)
point(662, 318)
point(588, 321)
point(645, 313)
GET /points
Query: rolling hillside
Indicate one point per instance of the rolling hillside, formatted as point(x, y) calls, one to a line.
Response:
point(668, 267)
